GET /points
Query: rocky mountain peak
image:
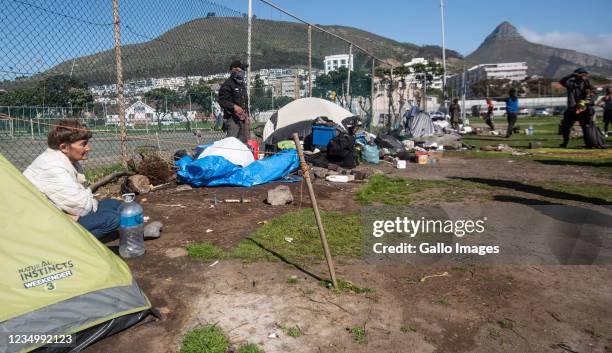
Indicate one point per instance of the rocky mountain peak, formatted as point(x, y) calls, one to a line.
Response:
point(504, 30)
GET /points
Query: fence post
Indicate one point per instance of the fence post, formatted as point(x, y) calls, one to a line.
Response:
point(12, 129)
point(119, 67)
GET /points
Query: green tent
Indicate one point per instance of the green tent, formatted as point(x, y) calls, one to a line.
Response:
point(57, 277)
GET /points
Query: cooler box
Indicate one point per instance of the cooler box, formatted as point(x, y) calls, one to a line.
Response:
point(321, 135)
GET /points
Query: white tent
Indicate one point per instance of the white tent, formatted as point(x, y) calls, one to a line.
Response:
point(297, 117)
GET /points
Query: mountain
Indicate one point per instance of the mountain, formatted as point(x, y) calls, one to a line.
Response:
point(207, 45)
point(505, 44)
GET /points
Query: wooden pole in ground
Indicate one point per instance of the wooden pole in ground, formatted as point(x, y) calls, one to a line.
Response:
point(120, 99)
point(315, 207)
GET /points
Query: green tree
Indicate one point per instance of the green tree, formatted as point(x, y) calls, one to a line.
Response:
point(164, 99)
point(58, 90)
point(201, 95)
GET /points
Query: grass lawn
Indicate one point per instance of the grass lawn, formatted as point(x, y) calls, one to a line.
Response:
point(545, 132)
point(293, 237)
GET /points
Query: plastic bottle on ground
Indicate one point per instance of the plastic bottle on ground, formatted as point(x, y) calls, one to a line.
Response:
point(131, 228)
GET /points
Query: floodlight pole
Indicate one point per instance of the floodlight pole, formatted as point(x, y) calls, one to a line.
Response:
point(348, 80)
point(443, 55)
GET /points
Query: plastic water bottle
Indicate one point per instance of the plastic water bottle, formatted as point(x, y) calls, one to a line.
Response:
point(131, 228)
point(530, 130)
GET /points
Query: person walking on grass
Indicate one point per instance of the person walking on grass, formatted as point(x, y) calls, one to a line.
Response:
point(233, 100)
point(455, 114)
point(579, 92)
point(606, 103)
point(512, 109)
point(488, 116)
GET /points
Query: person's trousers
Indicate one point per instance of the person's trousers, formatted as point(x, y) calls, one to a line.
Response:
point(236, 128)
point(489, 121)
point(569, 119)
point(511, 123)
point(105, 221)
point(607, 118)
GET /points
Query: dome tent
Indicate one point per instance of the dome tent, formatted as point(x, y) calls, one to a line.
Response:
point(58, 278)
point(298, 115)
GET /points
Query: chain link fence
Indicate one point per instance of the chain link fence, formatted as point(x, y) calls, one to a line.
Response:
point(59, 60)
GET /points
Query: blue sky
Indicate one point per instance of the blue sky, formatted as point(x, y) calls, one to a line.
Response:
point(468, 22)
point(37, 34)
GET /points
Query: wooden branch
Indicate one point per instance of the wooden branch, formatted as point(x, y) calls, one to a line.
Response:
point(107, 179)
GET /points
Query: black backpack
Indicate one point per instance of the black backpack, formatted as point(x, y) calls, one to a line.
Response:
point(593, 137)
point(341, 150)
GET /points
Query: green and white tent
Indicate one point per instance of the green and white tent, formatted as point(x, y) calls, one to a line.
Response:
point(57, 278)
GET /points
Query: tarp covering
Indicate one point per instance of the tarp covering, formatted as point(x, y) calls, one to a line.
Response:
point(419, 125)
point(229, 148)
point(58, 278)
point(297, 117)
point(217, 171)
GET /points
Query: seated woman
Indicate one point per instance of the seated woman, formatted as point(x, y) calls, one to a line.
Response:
point(58, 174)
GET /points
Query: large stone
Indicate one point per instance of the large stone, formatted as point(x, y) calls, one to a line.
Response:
point(319, 172)
point(280, 195)
point(139, 184)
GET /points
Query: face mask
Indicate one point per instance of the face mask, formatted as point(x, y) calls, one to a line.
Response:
point(239, 76)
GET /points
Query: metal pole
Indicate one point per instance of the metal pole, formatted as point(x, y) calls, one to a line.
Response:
point(315, 208)
point(425, 92)
point(249, 48)
point(372, 95)
point(390, 96)
point(443, 54)
point(348, 80)
point(309, 61)
point(119, 67)
point(463, 98)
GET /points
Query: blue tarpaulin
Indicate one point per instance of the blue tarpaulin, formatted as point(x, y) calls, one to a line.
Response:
point(217, 171)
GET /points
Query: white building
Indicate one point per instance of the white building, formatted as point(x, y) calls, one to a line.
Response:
point(139, 113)
point(334, 62)
point(411, 78)
point(516, 71)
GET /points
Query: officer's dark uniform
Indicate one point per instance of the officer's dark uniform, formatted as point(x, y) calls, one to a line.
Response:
point(577, 90)
point(230, 94)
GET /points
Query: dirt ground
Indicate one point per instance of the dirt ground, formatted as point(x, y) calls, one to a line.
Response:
point(475, 309)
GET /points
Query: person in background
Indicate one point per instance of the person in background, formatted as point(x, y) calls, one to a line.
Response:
point(57, 173)
point(512, 109)
point(579, 92)
point(488, 116)
point(606, 103)
point(233, 100)
point(455, 114)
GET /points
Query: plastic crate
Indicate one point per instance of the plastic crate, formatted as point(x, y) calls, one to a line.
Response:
point(321, 135)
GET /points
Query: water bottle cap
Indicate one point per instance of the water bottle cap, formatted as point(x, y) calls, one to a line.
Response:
point(128, 197)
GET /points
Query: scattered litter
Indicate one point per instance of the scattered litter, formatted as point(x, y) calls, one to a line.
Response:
point(262, 222)
point(240, 200)
point(443, 274)
point(144, 199)
point(157, 187)
point(401, 164)
point(273, 335)
point(184, 187)
point(146, 218)
point(340, 178)
point(288, 239)
point(209, 230)
point(214, 263)
point(177, 205)
point(519, 153)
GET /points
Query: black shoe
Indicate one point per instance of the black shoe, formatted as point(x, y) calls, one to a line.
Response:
point(563, 145)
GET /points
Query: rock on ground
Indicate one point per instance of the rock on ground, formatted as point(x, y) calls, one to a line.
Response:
point(280, 195)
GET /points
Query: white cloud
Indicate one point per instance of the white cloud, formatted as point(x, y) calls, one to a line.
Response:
point(600, 44)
